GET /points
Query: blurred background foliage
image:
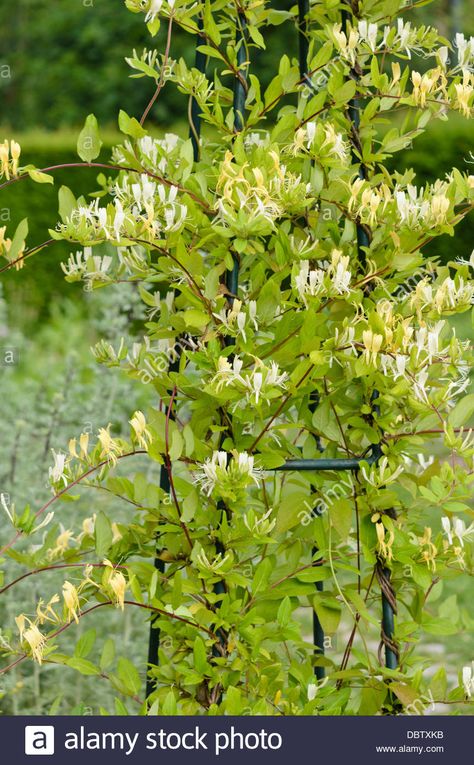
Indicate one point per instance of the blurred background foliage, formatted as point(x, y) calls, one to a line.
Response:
point(60, 61)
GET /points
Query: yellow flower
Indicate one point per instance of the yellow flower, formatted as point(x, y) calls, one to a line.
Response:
point(83, 444)
point(373, 343)
point(20, 623)
point(118, 585)
point(384, 543)
point(5, 160)
point(47, 614)
point(430, 552)
point(62, 544)
point(15, 150)
point(110, 448)
point(143, 435)
point(464, 91)
point(71, 601)
point(36, 640)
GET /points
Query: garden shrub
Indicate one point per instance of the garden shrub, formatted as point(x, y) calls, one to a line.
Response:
point(290, 311)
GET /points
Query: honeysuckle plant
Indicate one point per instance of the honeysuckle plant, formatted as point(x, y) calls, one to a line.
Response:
point(338, 335)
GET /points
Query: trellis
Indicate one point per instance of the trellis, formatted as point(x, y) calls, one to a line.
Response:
point(347, 464)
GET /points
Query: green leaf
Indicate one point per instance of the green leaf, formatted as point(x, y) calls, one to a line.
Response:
point(405, 693)
point(18, 240)
point(83, 666)
point(328, 611)
point(341, 517)
point(261, 575)
point(462, 412)
point(67, 203)
point(200, 656)
point(89, 143)
point(85, 644)
point(169, 705)
point(38, 177)
point(103, 535)
point(284, 612)
point(107, 655)
point(130, 126)
point(129, 676)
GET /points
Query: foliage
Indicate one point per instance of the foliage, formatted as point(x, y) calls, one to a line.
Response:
point(334, 298)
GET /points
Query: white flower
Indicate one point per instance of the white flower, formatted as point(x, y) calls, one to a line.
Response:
point(260, 526)
point(335, 143)
point(153, 9)
point(380, 475)
point(4, 498)
point(465, 49)
point(457, 530)
point(227, 471)
point(468, 679)
point(56, 472)
point(368, 33)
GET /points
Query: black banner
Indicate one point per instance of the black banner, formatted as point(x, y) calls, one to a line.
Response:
point(229, 740)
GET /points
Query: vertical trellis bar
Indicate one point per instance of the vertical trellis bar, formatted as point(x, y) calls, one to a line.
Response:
point(303, 52)
point(194, 134)
point(195, 115)
point(363, 240)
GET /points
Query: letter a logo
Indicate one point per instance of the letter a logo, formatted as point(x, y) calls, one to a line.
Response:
point(39, 739)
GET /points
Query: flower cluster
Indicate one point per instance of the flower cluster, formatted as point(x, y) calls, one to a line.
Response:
point(251, 199)
point(227, 475)
point(403, 39)
point(9, 156)
point(261, 383)
point(412, 207)
point(332, 279)
point(141, 208)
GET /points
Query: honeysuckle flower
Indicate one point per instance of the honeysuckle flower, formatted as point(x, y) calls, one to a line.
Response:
point(62, 544)
point(153, 8)
point(385, 540)
point(465, 49)
point(46, 613)
point(429, 551)
point(335, 143)
point(218, 565)
point(227, 472)
point(46, 520)
point(260, 526)
point(332, 279)
point(142, 434)
point(456, 528)
point(118, 585)
point(256, 384)
point(346, 44)
point(36, 641)
point(20, 621)
point(57, 471)
point(468, 679)
point(368, 33)
point(71, 601)
point(425, 85)
point(381, 474)
point(9, 156)
point(368, 202)
point(373, 343)
point(111, 449)
point(464, 91)
point(4, 503)
point(442, 55)
point(84, 444)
